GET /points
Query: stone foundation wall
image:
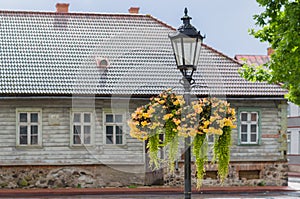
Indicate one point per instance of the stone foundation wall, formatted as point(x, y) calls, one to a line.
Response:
point(66, 176)
point(240, 174)
point(92, 176)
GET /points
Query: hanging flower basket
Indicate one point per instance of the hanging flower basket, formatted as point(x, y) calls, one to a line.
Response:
point(166, 119)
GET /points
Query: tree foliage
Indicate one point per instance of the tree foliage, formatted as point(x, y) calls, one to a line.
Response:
point(280, 27)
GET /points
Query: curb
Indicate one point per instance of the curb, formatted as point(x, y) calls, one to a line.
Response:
point(138, 190)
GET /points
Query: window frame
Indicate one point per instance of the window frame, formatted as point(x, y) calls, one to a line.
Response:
point(123, 124)
point(258, 134)
point(82, 124)
point(39, 123)
point(288, 142)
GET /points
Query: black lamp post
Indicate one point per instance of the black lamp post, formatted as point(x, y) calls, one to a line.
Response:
point(186, 44)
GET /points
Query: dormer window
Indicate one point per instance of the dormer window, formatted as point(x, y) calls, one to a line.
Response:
point(102, 62)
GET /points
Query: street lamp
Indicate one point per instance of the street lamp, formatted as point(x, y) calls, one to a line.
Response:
point(186, 43)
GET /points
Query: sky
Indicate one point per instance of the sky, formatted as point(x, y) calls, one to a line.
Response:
point(225, 23)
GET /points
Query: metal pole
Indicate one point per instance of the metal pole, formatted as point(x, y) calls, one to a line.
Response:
point(187, 145)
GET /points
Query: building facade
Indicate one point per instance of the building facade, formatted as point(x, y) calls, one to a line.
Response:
point(69, 82)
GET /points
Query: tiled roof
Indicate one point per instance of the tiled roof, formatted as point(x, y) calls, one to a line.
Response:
point(253, 59)
point(54, 54)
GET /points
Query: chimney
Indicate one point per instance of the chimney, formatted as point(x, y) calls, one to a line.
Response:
point(270, 51)
point(62, 7)
point(134, 10)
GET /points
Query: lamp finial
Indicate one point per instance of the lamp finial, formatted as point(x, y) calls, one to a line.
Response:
point(185, 11)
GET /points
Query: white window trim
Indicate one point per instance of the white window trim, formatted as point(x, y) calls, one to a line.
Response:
point(40, 127)
point(82, 111)
point(120, 112)
point(248, 123)
point(288, 141)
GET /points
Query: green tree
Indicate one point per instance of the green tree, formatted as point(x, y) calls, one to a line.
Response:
point(279, 26)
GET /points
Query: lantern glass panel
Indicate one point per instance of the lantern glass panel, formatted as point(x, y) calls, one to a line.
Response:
point(177, 47)
point(189, 45)
point(197, 51)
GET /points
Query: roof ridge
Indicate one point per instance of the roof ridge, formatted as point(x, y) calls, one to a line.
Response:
point(161, 22)
point(220, 53)
point(73, 13)
point(250, 55)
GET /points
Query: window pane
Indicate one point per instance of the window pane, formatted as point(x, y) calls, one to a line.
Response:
point(23, 130)
point(253, 128)
point(254, 117)
point(119, 130)
point(253, 137)
point(87, 129)
point(119, 136)
point(34, 139)
point(23, 117)
point(87, 134)
point(76, 139)
point(109, 134)
point(87, 138)
point(243, 128)
point(119, 118)
point(33, 117)
point(244, 116)
point(23, 135)
point(76, 134)
point(76, 117)
point(109, 118)
point(87, 118)
point(109, 130)
point(34, 130)
point(119, 139)
point(244, 137)
point(23, 139)
point(77, 129)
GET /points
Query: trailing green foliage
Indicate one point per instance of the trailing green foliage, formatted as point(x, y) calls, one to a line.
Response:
point(153, 148)
point(222, 152)
point(173, 151)
point(200, 149)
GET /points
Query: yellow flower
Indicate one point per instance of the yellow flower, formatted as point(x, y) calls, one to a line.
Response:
point(161, 101)
point(156, 99)
point(146, 115)
point(212, 119)
point(139, 111)
point(192, 132)
point(176, 102)
point(205, 124)
point(154, 125)
point(151, 110)
point(168, 116)
point(176, 121)
point(144, 123)
point(218, 131)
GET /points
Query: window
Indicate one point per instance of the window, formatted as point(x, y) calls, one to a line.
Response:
point(29, 128)
point(82, 128)
point(249, 127)
point(113, 126)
